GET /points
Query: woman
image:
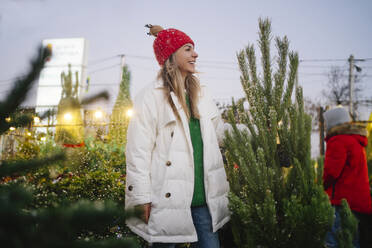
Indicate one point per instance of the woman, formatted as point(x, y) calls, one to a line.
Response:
point(175, 171)
point(345, 173)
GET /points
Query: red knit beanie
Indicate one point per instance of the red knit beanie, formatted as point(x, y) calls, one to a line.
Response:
point(167, 41)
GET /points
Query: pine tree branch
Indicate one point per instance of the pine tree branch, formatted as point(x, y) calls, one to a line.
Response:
point(250, 53)
point(264, 43)
point(279, 77)
point(102, 95)
point(19, 92)
point(79, 216)
point(65, 224)
point(8, 168)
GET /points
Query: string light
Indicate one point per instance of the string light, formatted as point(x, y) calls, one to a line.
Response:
point(36, 119)
point(67, 116)
point(129, 113)
point(98, 114)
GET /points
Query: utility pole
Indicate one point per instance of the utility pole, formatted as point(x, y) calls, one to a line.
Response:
point(351, 86)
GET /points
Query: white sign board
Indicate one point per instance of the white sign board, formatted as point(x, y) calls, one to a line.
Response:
point(64, 52)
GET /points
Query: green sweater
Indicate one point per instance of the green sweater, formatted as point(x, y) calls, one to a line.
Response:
point(198, 198)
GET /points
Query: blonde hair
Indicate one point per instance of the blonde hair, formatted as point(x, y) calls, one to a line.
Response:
point(172, 81)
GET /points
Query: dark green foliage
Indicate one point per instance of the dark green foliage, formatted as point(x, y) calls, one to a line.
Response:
point(52, 227)
point(94, 172)
point(273, 206)
point(64, 224)
point(348, 228)
point(23, 166)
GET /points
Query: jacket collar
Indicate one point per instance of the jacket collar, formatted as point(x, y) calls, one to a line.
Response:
point(158, 84)
point(347, 128)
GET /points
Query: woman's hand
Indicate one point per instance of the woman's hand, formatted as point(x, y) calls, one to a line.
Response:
point(146, 208)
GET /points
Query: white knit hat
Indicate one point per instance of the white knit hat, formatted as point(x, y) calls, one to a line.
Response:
point(336, 116)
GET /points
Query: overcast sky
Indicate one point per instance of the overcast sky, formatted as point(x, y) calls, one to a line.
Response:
point(317, 29)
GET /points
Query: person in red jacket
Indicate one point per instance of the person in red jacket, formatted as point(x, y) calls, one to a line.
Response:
point(345, 167)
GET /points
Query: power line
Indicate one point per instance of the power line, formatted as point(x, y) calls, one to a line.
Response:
point(219, 67)
point(333, 60)
point(98, 61)
point(321, 60)
point(104, 68)
point(313, 74)
point(320, 66)
point(216, 62)
point(201, 62)
point(138, 56)
point(96, 84)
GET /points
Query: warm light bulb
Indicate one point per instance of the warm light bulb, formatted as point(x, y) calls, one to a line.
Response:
point(7, 119)
point(98, 114)
point(43, 138)
point(129, 113)
point(36, 119)
point(67, 117)
point(29, 134)
point(12, 128)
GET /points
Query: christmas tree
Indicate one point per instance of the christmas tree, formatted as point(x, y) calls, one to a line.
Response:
point(121, 111)
point(277, 199)
point(69, 130)
point(60, 226)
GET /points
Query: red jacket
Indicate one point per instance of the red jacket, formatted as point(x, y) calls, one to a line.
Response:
point(346, 173)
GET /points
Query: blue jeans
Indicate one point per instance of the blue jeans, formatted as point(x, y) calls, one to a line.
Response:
point(331, 237)
point(203, 225)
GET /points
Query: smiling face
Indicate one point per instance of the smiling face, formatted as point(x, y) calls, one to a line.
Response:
point(185, 58)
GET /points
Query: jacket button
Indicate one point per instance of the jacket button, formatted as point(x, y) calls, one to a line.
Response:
point(130, 187)
point(172, 134)
point(167, 195)
point(168, 163)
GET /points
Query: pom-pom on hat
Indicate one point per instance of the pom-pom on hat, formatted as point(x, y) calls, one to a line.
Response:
point(335, 117)
point(167, 41)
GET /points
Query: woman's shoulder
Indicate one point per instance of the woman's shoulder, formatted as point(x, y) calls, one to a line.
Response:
point(205, 95)
point(150, 90)
point(150, 95)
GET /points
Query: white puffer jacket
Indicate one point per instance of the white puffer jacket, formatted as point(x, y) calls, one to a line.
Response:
point(160, 170)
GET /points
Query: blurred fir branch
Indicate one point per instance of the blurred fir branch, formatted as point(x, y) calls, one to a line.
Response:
point(8, 168)
point(102, 95)
point(55, 227)
point(20, 89)
point(349, 226)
